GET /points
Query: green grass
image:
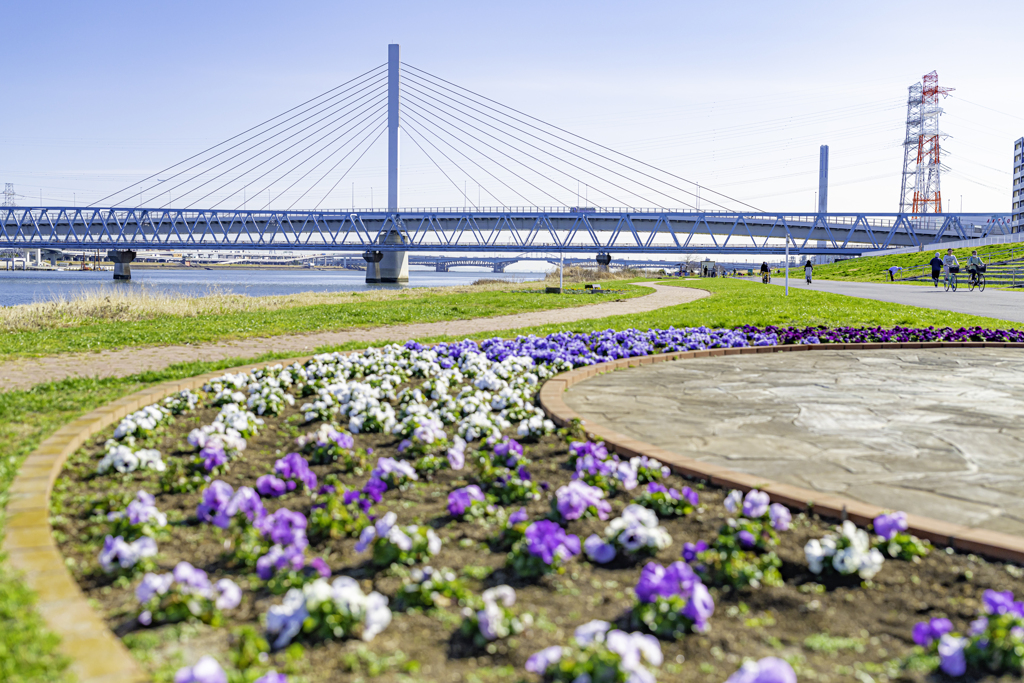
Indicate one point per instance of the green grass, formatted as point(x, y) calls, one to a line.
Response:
point(323, 317)
point(875, 268)
point(740, 302)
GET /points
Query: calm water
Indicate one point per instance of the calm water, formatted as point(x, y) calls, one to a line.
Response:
point(25, 287)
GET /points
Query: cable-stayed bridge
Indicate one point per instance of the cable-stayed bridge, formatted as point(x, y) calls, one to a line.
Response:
point(531, 173)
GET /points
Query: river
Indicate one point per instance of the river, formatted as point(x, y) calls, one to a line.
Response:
point(25, 287)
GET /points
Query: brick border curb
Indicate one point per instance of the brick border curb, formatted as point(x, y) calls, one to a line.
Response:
point(97, 655)
point(982, 542)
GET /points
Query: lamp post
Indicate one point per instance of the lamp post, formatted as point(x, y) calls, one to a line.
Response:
point(787, 264)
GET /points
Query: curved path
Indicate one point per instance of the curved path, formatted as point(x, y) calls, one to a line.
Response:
point(26, 372)
point(934, 432)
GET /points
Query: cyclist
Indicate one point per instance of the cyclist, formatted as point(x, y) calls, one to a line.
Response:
point(974, 265)
point(766, 273)
point(936, 264)
point(949, 262)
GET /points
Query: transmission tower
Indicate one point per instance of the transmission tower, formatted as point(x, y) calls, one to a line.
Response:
point(922, 165)
point(9, 194)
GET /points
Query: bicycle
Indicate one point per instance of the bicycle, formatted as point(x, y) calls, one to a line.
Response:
point(976, 280)
point(766, 278)
point(950, 282)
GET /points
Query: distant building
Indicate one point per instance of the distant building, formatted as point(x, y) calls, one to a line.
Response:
point(1018, 186)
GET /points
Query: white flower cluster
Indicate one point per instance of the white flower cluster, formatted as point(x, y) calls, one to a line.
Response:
point(244, 422)
point(180, 402)
point(141, 422)
point(123, 459)
point(850, 550)
point(284, 621)
point(481, 397)
point(636, 532)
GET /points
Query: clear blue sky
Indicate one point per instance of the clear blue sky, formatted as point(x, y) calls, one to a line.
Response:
point(737, 96)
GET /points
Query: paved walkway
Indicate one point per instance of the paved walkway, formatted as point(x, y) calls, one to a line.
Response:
point(933, 432)
point(993, 303)
point(27, 372)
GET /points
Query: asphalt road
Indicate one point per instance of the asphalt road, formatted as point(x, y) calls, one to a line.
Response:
point(992, 303)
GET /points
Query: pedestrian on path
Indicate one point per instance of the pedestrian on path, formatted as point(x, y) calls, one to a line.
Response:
point(808, 270)
point(951, 264)
point(892, 273)
point(936, 264)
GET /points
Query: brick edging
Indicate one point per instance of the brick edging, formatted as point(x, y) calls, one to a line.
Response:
point(980, 541)
point(97, 655)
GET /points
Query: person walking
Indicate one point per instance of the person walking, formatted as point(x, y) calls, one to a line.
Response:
point(950, 264)
point(808, 270)
point(936, 264)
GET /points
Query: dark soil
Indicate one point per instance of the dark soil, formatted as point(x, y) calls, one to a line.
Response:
point(829, 630)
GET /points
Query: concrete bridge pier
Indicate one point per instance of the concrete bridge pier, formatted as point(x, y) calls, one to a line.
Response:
point(373, 259)
point(602, 261)
point(122, 260)
point(498, 268)
point(394, 267)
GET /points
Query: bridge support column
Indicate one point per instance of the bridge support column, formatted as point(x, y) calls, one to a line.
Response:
point(394, 267)
point(602, 261)
point(121, 259)
point(373, 259)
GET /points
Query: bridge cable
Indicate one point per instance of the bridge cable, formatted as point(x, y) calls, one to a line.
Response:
point(581, 138)
point(318, 164)
point(547, 142)
point(461, 190)
point(477, 164)
point(447, 132)
point(259, 125)
point(503, 167)
point(383, 128)
point(366, 105)
point(590, 173)
point(338, 115)
point(347, 110)
point(368, 112)
point(376, 114)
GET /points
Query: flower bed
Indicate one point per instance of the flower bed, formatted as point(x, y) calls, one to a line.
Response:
point(407, 512)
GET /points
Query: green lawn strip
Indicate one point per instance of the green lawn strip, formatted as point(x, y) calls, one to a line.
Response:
point(876, 268)
point(323, 317)
point(734, 303)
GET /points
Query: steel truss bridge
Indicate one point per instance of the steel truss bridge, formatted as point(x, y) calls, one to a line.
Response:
point(519, 231)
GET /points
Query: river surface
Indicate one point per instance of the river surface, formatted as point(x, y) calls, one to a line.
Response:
point(25, 287)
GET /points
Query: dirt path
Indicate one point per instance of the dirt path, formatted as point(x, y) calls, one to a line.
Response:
point(27, 372)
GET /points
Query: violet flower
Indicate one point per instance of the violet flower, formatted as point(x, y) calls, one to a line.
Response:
point(951, 655)
point(576, 497)
point(206, 670)
point(755, 504)
point(691, 550)
point(766, 670)
point(548, 540)
point(270, 486)
point(460, 500)
point(888, 526)
point(780, 516)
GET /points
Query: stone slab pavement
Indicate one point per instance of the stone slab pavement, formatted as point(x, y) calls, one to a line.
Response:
point(934, 432)
point(24, 373)
point(993, 303)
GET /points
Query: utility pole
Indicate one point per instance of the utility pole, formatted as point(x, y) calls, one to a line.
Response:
point(8, 194)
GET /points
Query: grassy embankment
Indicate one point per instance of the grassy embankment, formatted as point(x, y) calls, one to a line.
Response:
point(875, 268)
point(27, 652)
point(112, 321)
